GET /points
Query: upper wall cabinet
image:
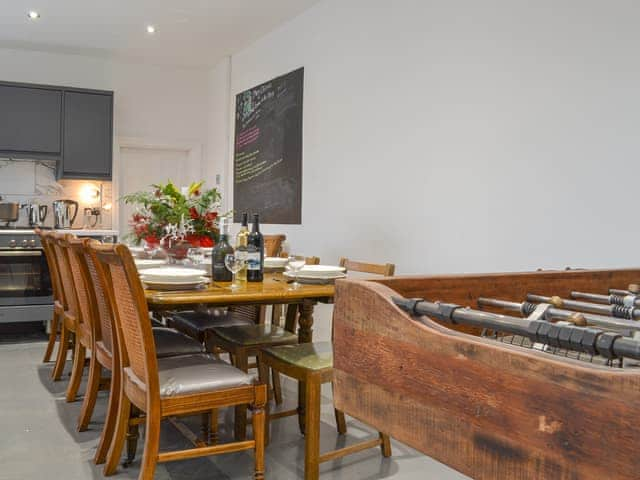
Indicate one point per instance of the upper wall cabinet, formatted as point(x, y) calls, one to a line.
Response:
point(88, 135)
point(70, 125)
point(30, 121)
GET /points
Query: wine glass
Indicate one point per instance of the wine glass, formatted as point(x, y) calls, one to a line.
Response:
point(296, 262)
point(196, 255)
point(234, 264)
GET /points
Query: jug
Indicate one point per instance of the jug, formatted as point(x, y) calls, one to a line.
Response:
point(62, 217)
point(36, 213)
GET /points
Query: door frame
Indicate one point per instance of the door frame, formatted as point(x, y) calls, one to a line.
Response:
point(194, 153)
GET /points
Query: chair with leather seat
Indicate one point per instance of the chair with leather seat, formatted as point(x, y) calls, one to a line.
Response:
point(245, 341)
point(196, 323)
point(171, 386)
point(311, 364)
point(104, 356)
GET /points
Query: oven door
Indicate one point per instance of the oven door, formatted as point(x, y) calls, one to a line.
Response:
point(24, 278)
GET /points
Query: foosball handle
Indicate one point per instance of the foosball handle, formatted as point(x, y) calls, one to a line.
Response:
point(556, 301)
point(577, 319)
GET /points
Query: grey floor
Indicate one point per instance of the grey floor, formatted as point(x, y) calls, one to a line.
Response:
point(38, 437)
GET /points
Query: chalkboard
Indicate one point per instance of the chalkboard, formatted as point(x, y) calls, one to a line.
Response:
point(268, 150)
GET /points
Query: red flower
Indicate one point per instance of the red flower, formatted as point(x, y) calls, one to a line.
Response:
point(206, 242)
point(194, 213)
point(211, 216)
point(152, 240)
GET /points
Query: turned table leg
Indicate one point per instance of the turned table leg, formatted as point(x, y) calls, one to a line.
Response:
point(305, 322)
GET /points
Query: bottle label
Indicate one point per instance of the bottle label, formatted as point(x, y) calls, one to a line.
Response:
point(253, 261)
point(242, 255)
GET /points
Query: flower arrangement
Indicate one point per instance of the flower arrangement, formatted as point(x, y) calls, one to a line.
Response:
point(167, 215)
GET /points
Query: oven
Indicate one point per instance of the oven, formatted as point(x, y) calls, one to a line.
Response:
point(25, 283)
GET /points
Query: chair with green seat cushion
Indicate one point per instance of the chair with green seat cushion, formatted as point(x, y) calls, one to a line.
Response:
point(312, 365)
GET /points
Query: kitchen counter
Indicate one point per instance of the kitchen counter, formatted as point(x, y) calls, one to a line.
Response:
point(78, 231)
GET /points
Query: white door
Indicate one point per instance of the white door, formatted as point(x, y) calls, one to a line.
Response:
point(142, 167)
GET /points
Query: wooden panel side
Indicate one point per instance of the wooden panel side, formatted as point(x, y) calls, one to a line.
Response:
point(487, 409)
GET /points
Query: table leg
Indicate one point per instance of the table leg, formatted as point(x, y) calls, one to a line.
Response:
point(305, 322)
point(305, 335)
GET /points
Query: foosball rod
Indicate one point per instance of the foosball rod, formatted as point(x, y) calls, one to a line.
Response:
point(553, 313)
point(612, 299)
point(582, 339)
point(609, 310)
point(632, 289)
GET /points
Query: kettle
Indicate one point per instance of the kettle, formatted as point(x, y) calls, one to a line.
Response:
point(36, 213)
point(62, 217)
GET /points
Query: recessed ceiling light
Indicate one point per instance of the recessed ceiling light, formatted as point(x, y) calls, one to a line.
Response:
point(151, 29)
point(33, 15)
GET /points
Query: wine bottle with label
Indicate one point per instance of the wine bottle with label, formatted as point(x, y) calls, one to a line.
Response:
point(255, 252)
point(242, 241)
point(219, 271)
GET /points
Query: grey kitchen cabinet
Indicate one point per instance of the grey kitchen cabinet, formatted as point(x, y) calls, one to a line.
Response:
point(87, 134)
point(30, 121)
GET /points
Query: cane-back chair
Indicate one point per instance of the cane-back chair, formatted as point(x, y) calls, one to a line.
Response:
point(58, 301)
point(170, 386)
point(168, 342)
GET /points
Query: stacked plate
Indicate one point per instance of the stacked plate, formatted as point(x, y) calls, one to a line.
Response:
point(144, 263)
point(317, 274)
point(275, 263)
point(173, 278)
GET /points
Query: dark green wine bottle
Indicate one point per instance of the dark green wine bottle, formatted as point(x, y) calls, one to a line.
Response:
point(219, 271)
point(255, 252)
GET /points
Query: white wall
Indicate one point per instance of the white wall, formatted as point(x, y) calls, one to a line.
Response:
point(451, 136)
point(153, 104)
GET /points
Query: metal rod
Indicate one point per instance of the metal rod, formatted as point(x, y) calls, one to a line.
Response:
point(609, 310)
point(526, 308)
point(626, 300)
point(583, 339)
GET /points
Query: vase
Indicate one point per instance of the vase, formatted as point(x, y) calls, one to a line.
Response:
point(176, 249)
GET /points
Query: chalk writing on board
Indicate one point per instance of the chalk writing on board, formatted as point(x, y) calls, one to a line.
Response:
point(268, 150)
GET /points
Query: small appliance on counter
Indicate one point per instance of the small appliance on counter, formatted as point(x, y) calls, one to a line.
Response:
point(36, 213)
point(9, 212)
point(91, 218)
point(62, 216)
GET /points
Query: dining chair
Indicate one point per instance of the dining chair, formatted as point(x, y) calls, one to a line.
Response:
point(172, 386)
point(245, 341)
point(69, 333)
point(196, 322)
point(273, 244)
point(95, 314)
point(58, 300)
point(311, 364)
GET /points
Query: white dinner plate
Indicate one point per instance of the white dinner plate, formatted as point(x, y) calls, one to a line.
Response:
point(321, 271)
point(313, 280)
point(275, 262)
point(172, 274)
point(179, 285)
point(143, 263)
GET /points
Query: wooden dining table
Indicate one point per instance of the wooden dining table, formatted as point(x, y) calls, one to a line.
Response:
point(274, 290)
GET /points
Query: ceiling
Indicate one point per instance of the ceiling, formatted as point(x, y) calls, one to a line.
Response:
point(189, 33)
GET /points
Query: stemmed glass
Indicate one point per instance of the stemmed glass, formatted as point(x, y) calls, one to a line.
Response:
point(196, 255)
point(296, 262)
point(234, 264)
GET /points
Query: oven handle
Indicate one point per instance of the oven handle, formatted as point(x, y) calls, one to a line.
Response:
point(20, 253)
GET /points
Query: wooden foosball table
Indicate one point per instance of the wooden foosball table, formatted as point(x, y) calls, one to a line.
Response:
point(548, 392)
